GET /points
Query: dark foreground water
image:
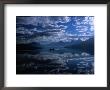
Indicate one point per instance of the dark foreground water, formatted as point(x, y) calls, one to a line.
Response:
point(59, 61)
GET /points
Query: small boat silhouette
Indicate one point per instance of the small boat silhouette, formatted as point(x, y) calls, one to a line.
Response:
point(52, 49)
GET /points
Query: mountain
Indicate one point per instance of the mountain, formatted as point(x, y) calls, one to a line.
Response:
point(87, 46)
point(29, 46)
point(64, 44)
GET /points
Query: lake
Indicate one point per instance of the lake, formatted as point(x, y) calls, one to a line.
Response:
point(57, 61)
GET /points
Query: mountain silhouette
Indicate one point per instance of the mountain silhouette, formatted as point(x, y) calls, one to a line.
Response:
point(87, 46)
point(29, 46)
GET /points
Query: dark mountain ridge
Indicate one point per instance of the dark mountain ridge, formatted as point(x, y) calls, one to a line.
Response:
point(29, 46)
point(87, 46)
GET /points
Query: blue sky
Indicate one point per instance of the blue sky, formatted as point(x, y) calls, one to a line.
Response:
point(54, 28)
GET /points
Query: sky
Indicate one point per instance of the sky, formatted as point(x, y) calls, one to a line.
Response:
point(47, 29)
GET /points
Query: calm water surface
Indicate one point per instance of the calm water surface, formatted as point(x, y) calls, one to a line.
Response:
point(57, 61)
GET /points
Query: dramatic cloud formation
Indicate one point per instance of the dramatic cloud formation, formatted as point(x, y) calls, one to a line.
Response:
point(54, 28)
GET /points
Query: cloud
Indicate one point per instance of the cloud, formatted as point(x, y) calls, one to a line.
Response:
point(53, 28)
point(44, 20)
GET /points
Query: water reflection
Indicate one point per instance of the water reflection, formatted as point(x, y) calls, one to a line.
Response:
point(64, 61)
